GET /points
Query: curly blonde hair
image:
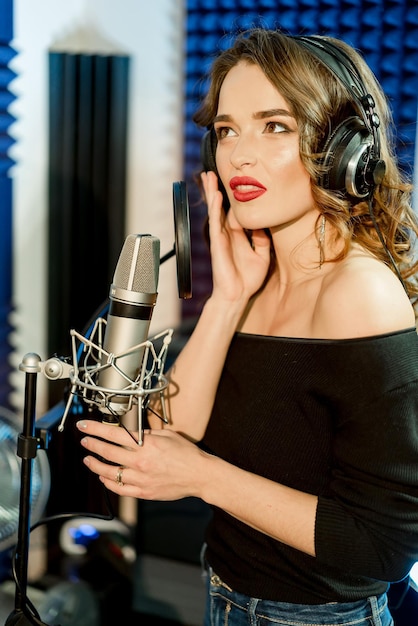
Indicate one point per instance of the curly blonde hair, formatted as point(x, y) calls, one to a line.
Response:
point(319, 103)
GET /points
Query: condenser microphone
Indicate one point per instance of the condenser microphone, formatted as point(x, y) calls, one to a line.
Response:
point(133, 295)
point(114, 364)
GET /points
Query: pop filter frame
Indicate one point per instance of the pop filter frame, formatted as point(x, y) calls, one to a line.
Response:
point(182, 243)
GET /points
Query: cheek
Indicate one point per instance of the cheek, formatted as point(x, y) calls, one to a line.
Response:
point(292, 182)
point(288, 167)
point(286, 158)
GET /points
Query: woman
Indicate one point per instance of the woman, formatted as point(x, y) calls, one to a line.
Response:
point(301, 376)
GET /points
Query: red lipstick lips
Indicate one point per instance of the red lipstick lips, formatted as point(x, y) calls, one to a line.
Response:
point(246, 188)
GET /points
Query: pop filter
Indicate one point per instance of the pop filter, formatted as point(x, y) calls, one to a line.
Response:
point(182, 246)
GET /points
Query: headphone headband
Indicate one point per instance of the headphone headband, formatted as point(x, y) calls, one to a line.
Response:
point(337, 61)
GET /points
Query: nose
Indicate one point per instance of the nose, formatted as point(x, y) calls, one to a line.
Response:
point(242, 153)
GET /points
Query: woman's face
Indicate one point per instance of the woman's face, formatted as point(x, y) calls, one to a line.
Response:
point(257, 154)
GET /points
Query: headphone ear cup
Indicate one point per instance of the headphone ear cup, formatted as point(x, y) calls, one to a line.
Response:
point(208, 151)
point(348, 159)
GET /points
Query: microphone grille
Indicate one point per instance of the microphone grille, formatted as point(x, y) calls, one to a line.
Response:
point(138, 265)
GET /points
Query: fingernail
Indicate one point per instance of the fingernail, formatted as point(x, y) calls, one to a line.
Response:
point(81, 424)
point(86, 461)
point(83, 441)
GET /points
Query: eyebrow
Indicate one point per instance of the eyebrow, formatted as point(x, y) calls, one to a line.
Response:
point(259, 115)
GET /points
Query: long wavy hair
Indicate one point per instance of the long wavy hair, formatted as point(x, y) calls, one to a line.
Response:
point(319, 102)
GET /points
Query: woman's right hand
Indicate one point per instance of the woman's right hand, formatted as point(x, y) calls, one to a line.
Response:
point(239, 266)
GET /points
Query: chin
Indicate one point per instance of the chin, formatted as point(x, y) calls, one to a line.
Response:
point(249, 218)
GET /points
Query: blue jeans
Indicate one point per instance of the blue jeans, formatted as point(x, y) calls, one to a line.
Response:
point(229, 608)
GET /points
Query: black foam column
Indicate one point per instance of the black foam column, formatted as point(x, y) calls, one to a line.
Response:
point(88, 107)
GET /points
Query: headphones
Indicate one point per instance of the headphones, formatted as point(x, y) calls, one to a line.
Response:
point(352, 162)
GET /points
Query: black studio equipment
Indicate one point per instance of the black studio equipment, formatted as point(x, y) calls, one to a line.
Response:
point(114, 366)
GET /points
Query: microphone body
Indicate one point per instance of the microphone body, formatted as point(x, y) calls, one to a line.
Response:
point(133, 295)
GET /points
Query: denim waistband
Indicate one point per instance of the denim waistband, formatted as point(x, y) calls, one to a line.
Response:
point(369, 611)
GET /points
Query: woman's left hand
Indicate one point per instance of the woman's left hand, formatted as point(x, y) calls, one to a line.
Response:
point(166, 467)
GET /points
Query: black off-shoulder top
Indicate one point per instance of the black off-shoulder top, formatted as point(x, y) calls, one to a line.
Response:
point(334, 418)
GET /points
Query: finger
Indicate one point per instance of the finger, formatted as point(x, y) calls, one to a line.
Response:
point(119, 479)
point(124, 489)
point(232, 221)
point(107, 470)
point(212, 194)
point(115, 434)
point(113, 453)
point(210, 183)
point(114, 478)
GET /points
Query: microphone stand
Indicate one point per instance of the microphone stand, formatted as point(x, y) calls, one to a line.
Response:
point(31, 439)
point(27, 447)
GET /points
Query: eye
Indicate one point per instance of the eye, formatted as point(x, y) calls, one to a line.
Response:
point(275, 127)
point(224, 131)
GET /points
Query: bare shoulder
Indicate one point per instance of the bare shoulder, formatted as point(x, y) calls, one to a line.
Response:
point(361, 297)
